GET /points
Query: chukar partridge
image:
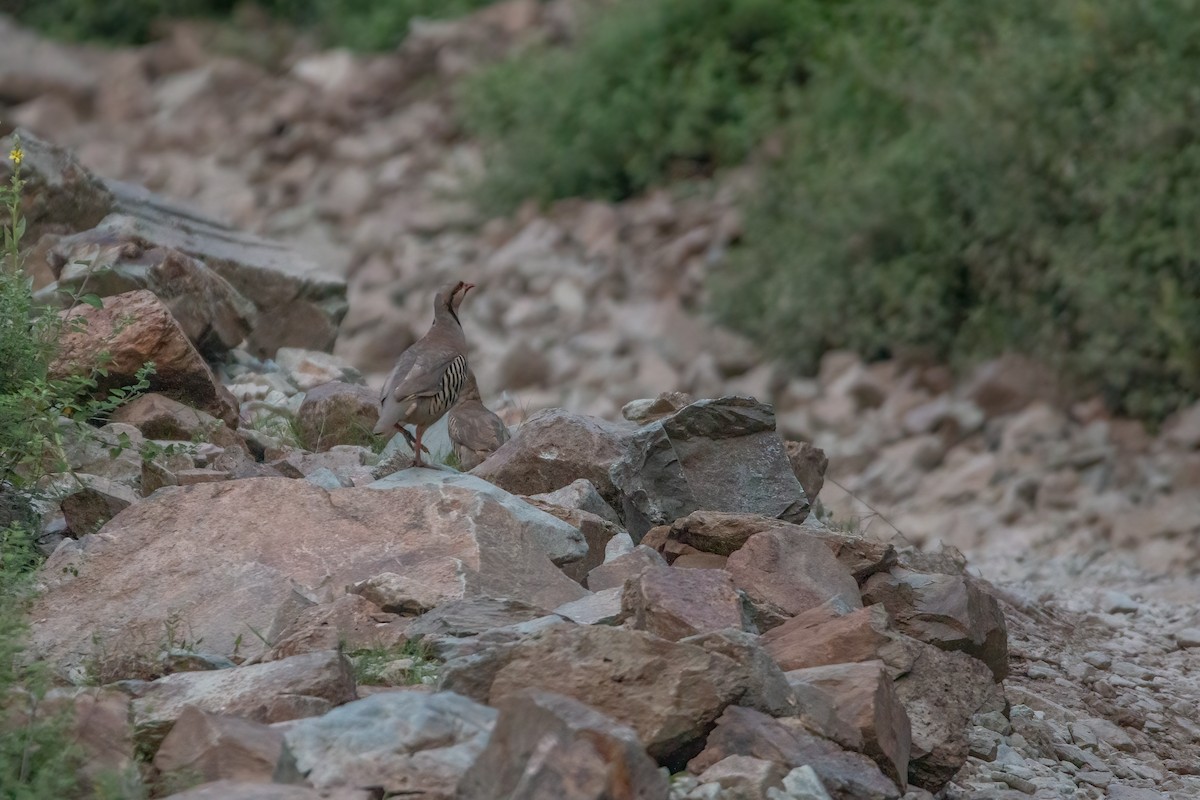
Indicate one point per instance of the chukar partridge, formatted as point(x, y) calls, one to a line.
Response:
point(429, 375)
point(474, 429)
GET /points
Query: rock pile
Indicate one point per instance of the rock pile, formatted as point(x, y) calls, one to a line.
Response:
point(636, 581)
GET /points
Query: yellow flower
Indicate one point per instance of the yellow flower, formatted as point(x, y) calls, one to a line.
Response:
point(16, 155)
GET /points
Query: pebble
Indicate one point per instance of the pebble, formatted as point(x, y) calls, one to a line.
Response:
point(1188, 637)
point(1095, 778)
point(1098, 659)
point(1113, 602)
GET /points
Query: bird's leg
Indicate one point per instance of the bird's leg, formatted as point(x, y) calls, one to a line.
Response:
point(417, 448)
point(408, 437)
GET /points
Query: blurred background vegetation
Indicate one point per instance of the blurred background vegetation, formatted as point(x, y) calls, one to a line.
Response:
point(944, 179)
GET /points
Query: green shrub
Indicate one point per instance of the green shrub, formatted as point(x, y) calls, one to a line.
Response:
point(36, 760)
point(966, 178)
point(358, 24)
point(654, 89)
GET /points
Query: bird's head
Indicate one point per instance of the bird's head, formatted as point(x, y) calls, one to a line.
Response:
point(451, 297)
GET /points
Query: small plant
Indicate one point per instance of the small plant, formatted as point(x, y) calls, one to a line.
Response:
point(406, 665)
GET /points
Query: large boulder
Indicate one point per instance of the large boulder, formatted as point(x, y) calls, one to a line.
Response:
point(215, 747)
point(954, 612)
point(864, 697)
point(669, 692)
point(940, 693)
point(720, 455)
point(785, 572)
point(550, 747)
point(232, 559)
point(337, 413)
point(407, 743)
point(101, 261)
point(130, 330)
point(555, 448)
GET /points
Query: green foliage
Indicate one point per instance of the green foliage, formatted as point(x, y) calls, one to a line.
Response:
point(408, 664)
point(966, 178)
point(653, 90)
point(358, 24)
point(37, 759)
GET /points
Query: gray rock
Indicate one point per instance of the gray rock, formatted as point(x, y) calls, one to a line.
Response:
point(581, 494)
point(403, 742)
point(560, 541)
point(721, 455)
point(599, 608)
point(801, 783)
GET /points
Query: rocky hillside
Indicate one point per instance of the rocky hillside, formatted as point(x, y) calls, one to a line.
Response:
point(260, 600)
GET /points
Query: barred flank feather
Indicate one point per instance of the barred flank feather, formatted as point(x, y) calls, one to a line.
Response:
point(452, 381)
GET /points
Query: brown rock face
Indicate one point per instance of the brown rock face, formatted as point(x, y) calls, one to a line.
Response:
point(282, 690)
point(555, 448)
point(216, 552)
point(677, 603)
point(786, 572)
point(745, 732)
point(814, 639)
point(953, 612)
point(129, 331)
point(723, 534)
point(351, 622)
point(940, 694)
point(549, 747)
point(338, 413)
point(216, 747)
point(863, 695)
point(668, 692)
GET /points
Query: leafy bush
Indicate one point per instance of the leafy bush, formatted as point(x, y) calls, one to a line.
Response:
point(358, 24)
point(652, 90)
point(35, 760)
point(966, 178)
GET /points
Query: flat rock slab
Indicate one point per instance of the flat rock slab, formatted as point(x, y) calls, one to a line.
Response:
point(550, 747)
point(409, 743)
point(281, 690)
point(223, 560)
